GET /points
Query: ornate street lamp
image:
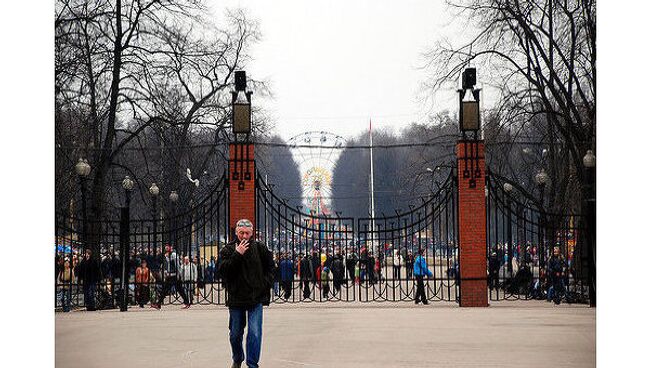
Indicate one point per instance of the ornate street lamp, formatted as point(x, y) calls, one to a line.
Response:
point(507, 187)
point(155, 191)
point(241, 105)
point(470, 118)
point(127, 185)
point(173, 196)
point(590, 159)
point(589, 204)
point(82, 168)
point(542, 178)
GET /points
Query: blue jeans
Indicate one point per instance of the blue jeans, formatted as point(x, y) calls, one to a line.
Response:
point(253, 338)
point(66, 295)
point(557, 287)
point(90, 289)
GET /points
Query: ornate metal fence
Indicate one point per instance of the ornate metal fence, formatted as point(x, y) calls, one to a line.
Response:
point(197, 233)
point(297, 241)
point(325, 258)
point(526, 246)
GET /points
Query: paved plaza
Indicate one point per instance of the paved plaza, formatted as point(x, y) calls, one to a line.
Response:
point(507, 334)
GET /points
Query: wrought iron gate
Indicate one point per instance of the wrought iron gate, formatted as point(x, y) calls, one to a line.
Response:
point(521, 240)
point(324, 258)
point(197, 233)
point(329, 258)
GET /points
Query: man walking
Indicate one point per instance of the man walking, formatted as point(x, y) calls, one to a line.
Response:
point(247, 268)
point(409, 264)
point(170, 268)
point(338, 270)
point(142, 283)
point(90, 274)
point(305, 276)
point(555, 271)
point(397, 265)
point(351, 263)
point(189, 277)
point(420, 270)
point(286, 275)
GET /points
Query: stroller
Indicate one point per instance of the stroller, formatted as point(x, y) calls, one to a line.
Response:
point(521, 281)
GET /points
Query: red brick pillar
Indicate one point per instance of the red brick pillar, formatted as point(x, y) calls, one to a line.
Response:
point(472, 223)
point(241, 175)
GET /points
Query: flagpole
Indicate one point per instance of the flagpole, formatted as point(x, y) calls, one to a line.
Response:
point(372, 197)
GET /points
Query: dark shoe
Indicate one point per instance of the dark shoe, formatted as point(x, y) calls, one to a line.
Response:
point(186, 306)
point(235, 365)
point(425, 302)
point(417, 301)
point(156, 306)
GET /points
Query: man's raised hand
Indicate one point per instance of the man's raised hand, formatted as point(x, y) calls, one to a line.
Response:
point(242, 247)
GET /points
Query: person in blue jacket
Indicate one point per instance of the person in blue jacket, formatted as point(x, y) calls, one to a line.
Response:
point(286, 275)
point(420, 270)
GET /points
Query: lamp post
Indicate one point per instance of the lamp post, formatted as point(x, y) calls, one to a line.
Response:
point(589, 200)
point(541, 178)
point(507, 187)
point(173, 198)
point(433, 177)
point(154, 191)
point(469, 113)
point(241, 106)
point(127, 185)
point(82, 168)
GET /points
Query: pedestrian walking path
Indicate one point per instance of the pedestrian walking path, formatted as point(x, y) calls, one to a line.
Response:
point(507, 334)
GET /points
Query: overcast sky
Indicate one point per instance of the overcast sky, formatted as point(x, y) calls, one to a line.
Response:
point(333, 65)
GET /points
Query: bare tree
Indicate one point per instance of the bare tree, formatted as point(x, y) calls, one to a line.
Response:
point(126, 67)
point(541, 56)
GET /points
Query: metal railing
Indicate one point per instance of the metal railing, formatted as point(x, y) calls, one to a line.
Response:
point(533, 253)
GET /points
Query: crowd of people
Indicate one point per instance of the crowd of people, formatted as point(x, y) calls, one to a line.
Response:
point(523, 270)
point(153, 277)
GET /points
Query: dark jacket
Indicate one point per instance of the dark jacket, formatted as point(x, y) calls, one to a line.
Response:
point(315, 264)
point(338, 270)
point(305, 268)
point(248, 278)
point(555, 268)
point(170, 264)
point(351, 261)
point(116, 267)
point(89, 271)
point(107, 267)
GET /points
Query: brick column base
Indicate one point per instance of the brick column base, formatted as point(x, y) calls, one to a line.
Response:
point(472, 223)
point(241, 182)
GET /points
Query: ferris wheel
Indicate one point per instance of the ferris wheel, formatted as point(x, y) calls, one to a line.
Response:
point(316, 153)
